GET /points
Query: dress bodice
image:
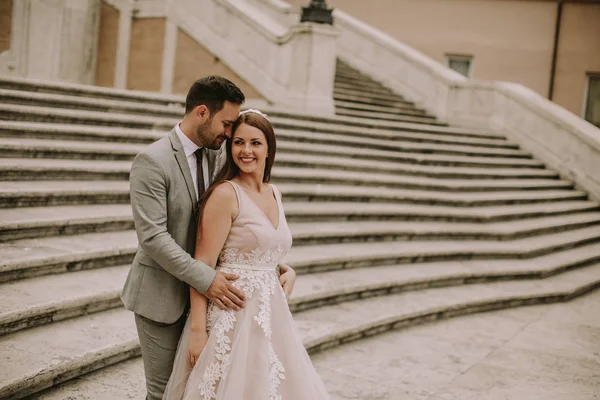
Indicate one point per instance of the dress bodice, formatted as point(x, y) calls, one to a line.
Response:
point(253, 242)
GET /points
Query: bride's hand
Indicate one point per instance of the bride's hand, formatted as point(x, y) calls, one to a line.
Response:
point(287, 279)
point(198, 339)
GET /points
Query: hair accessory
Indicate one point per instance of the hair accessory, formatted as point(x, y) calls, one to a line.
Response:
point(255, 111)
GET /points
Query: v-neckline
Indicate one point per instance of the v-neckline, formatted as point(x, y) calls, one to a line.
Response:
point(261, 210)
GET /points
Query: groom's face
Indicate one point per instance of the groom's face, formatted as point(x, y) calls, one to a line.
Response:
point(217, 128)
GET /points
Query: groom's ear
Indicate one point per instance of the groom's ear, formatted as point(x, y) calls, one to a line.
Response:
point(202, 113)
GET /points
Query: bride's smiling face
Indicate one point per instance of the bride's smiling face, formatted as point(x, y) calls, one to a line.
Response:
point(249, 148)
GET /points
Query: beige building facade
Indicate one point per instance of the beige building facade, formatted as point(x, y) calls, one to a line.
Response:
point(550, 46)
point(507, 40)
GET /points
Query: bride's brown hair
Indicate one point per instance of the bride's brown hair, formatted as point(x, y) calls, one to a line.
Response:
point(231, 170)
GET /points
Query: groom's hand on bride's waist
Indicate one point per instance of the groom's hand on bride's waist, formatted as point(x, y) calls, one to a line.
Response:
point(224, 294)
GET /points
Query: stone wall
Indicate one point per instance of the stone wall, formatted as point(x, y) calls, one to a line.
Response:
point(509, 40)
point(108, 36)
point(578, 54)
point(146, 54)
point(193, 61)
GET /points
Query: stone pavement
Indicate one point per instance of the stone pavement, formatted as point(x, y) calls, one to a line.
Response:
point(530, 353)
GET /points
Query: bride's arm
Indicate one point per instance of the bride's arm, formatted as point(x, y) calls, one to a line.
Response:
point(220, 210)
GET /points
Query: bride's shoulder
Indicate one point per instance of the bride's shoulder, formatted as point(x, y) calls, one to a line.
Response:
point(223, 191)
point(222, 198)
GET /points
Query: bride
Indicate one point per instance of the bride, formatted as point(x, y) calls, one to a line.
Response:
point(252, 353)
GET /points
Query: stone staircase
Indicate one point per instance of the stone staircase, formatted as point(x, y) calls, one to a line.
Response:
point(397, 218)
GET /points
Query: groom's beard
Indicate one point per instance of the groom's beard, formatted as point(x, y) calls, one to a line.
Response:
point(208, 137)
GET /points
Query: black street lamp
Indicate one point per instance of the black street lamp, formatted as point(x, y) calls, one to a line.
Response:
point(318, 12)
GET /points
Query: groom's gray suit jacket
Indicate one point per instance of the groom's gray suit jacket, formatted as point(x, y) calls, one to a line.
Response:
point(165, 213)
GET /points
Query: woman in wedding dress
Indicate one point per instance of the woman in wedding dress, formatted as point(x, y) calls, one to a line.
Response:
point(253, 353)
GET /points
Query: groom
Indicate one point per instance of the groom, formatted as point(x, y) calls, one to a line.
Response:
point(166, 181)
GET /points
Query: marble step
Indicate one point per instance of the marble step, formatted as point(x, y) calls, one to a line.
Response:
point(15, 112)
point(289, 155)
point(119, 106)
point(65, 88)
point(49, 299)
point(350, 83)
point(8, 96)
point(388, 117)
point(471, 357)
point(294, 139)
point(281, 119)
point(352, 97)
point(327, 327)
point(378, 108)
point(372, 97)
point(88, 149)
point(35, 257)
point(72, 220)
point(54, 193)
point(53, 169)
point(46, 356)
point(352, 255)
point(289, 129)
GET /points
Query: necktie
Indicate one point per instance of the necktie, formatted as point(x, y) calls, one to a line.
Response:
point(199, 171)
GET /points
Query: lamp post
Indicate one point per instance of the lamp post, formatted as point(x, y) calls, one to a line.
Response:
point(318, 12)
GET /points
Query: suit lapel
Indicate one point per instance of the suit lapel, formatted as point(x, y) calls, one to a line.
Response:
point(216, 161)
point(184, 167)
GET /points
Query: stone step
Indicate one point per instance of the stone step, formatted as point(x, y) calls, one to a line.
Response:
point(71, 220)
point(352, 255)
point(349, 82)
point(7, 96)
point(49, 299)
point(36, 257)
point(320, 193)
point(63, 220)
point(14, 112)
point(331, 326)
point(348, 105)
point(354, 97)
point(53, 193)
point(64, 88)
point(45, 356)
point(351, 79)
point(53, 169)
point(288, 129)
point(371, 98)
point(354, 149)
point(389, 117)
point(343, 125)
point(510, 354)
point(86, 150)
point(292, 139)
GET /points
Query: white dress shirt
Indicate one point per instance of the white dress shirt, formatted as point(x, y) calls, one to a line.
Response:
point(189, 148)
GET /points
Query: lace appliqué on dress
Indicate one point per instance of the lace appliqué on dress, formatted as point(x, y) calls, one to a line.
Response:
point(221, 323)
point(255, 258)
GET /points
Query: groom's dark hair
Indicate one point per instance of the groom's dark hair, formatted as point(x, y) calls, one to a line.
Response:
point(213, 91)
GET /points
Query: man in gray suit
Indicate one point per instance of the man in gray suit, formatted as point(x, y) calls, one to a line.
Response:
point(166, 182)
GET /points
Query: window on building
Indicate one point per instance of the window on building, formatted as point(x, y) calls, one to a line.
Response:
point(460, 63)
point(592, 101)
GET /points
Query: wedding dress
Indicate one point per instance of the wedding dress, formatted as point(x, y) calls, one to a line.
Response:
point(255, 353)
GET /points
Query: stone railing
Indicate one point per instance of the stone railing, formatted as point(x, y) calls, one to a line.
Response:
point(292, 67)
point(562, 140)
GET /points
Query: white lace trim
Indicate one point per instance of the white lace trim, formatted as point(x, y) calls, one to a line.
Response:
point(257, 258)
point(221, 323)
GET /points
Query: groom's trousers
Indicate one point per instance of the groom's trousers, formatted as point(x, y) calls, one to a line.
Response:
point(159, 346)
